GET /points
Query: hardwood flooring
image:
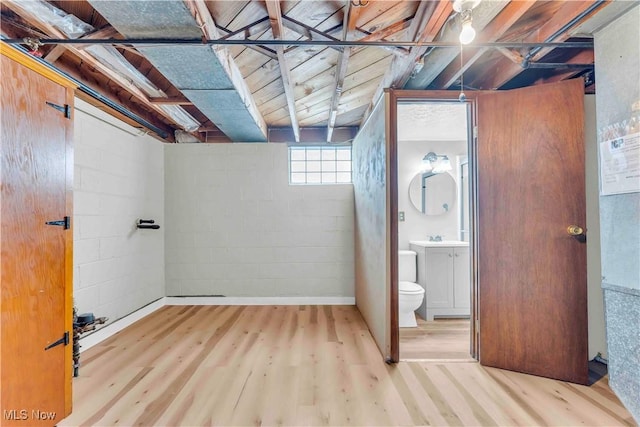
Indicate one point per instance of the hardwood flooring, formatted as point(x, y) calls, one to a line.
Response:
point(436, 340)
point(304, 365)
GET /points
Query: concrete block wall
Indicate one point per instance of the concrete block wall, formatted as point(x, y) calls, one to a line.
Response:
point(618, 74)
point(119, 177)
point(235, 227)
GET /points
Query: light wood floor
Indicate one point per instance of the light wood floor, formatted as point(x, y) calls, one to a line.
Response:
point(440, 339)
point(306, 365)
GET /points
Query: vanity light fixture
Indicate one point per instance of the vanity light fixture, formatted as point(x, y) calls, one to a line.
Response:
point(464, 8)
point(437, 166)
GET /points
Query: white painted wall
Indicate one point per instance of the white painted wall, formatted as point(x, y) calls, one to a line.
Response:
point(372, 227)
point(418, 226)
point(235, 227)
point(118, 179)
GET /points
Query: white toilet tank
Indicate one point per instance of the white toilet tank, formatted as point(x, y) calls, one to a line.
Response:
point(407, 266)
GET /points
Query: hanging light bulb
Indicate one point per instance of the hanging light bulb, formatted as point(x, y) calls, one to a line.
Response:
point(467, 34)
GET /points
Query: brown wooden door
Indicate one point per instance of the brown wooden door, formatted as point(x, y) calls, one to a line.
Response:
point(531, 272)
point(35, 257)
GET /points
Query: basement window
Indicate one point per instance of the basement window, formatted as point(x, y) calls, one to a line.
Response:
point(320, 165)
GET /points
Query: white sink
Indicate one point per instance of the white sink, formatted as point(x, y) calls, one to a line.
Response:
point(430, 244)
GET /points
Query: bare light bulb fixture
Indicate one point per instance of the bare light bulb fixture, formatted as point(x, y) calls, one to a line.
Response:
point(467, 34)
point(464, 8)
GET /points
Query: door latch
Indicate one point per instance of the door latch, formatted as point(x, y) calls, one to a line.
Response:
point(65, 223)
point(64, 340)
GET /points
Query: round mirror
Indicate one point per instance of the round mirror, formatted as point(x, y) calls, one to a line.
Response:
point(432, 193)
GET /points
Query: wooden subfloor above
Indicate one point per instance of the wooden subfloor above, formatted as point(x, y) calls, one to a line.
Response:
point(304, 365)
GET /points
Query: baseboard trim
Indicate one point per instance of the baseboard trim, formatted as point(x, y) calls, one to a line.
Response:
point(102, 334)
point(260, 300)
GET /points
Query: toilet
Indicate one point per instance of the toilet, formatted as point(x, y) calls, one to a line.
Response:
point(410, 294)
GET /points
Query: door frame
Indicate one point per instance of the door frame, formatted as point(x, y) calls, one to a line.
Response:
point(393, 97)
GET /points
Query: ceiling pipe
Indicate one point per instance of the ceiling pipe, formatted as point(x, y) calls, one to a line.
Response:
point(527, 58)
point(328, 43)
point(557, 65)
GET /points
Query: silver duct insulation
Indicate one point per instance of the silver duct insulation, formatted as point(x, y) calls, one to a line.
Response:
point(196, 70)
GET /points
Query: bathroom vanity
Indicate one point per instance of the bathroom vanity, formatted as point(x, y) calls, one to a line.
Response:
point(444, 273)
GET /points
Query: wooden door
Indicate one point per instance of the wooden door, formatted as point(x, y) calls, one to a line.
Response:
point(36, 259)
point(531, 272)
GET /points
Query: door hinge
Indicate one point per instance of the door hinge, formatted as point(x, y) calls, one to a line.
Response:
point(65, 223)
point(66, 110)
point(477, 326)
point(64, 340)
point(475, 132)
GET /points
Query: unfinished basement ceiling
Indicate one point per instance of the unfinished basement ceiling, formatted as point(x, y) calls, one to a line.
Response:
point(310, 87)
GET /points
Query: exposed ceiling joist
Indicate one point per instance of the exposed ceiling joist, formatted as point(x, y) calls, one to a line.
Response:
point(254, 29)
point(388, 31)
point(492, 32)
point(350, 17)
point(203, 74)
point(275, 17)
point(555, 29)
point(178, 57)
point(426, 24)
point(439, 59)
point(52, 31)
point(307, 31)
point(102, 33)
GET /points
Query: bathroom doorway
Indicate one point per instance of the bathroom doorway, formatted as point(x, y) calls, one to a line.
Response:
point(433, 140)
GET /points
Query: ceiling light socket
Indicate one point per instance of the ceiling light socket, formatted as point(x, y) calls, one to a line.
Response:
point(460, 5)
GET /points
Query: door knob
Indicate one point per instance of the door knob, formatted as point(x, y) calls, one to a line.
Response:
point(575, 230)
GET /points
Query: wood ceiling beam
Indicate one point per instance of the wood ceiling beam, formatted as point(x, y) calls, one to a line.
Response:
point(307, 31)
point(277, 28)
point(91, 78)
point(506, 69)
point(437, 60)
point(200, 12)
point(263, 50)
point(491, 33)
point(392, 29)
point(350, 18)
point(51, 31)
point(425, 26)
point(107, 32)
point(255, 28)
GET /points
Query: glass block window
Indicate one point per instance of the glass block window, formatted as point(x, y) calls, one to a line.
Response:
point(320, 165)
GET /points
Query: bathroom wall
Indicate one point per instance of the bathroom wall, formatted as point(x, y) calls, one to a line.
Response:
point(235, 227)
point(617, 74)
point(118, 179)
point(372, 226)
point(418, 226)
